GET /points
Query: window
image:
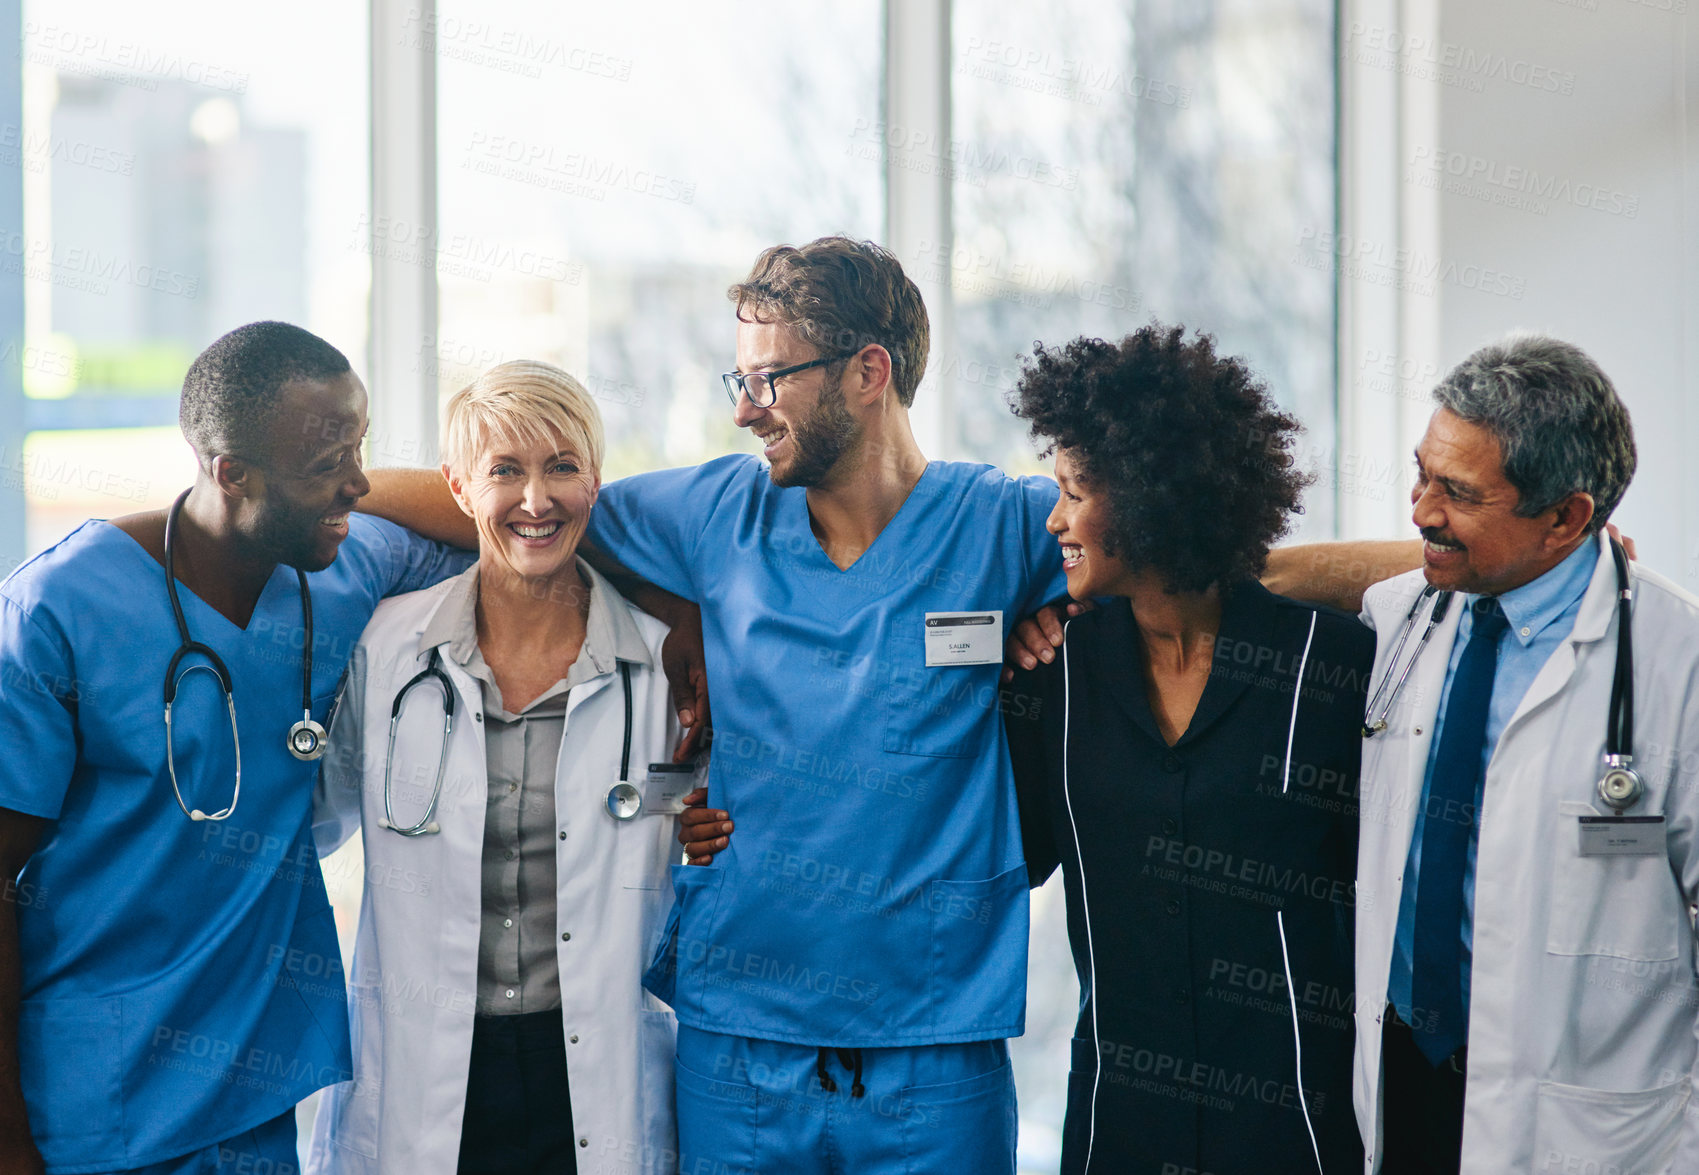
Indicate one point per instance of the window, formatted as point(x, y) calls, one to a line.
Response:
point(1117, 163)
point(184, 173)
point(603, 180)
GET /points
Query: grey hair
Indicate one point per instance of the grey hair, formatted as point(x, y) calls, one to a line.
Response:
point(1559, 423)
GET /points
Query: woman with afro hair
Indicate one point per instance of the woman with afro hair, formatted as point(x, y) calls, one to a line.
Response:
point(1190, 759)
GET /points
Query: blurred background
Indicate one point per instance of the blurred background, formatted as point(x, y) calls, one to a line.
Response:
point(1350, 195)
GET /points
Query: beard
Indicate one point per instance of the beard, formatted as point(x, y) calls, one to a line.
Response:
point(290, 534)
point(819, 441)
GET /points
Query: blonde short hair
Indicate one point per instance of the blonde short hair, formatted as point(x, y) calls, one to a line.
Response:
point(523, 402)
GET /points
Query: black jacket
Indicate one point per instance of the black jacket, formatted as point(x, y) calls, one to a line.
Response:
point(1198, 876)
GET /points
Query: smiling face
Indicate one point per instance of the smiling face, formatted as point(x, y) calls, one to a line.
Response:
point(1081, 524)
point(809, 428)
point(312, 476)
point(530, 501)
point(1473, 539)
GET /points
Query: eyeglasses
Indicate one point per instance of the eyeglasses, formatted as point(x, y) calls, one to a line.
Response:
point(758, 385)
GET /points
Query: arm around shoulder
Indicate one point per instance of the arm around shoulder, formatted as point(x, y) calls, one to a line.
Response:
point(1337, 574)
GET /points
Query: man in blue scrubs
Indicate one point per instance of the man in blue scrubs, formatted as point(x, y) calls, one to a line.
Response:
point(170, 988)
point(847, 970)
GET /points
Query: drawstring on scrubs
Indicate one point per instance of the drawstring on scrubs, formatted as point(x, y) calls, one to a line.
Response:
point(849, 1059)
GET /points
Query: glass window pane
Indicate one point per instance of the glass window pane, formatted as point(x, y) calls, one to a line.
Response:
point(189, 167)
point(1120, 162)
point(603, 181)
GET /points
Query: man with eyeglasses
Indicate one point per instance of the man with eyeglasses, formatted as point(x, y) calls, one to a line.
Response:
point(846, 973)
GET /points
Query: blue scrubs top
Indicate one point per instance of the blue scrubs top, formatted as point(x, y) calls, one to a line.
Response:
point(181, 980)
point(874, 894)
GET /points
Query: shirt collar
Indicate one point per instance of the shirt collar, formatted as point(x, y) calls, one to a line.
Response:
point(1540, 603)
point(610, 634)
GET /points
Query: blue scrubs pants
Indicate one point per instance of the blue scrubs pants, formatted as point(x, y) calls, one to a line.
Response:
point(267, 1149)
point(749, 1107)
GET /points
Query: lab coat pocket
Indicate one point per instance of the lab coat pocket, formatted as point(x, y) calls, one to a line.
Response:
point(1580, 1129)
point(657, 1044)
point(353, 1105)
point(68, 1051)
point(1622, 907)
point(979, 937)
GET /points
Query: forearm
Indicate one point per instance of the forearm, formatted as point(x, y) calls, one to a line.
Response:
point(1337, 574)
point(419, 499)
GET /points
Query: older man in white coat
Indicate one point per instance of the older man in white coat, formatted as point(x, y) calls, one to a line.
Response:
point(1525, 942)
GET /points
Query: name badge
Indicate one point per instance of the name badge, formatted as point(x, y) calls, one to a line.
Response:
point(1622, 836)
point(964, 638)
point(666, 785)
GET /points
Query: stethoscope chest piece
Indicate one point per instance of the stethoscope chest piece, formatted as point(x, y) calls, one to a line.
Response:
point(1620, 786)
point(624, 803)
point(307, 740)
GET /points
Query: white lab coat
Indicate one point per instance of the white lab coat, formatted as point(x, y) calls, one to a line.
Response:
point(1583, 999)
point(413, 986)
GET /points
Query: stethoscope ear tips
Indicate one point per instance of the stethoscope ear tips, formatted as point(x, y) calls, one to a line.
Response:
point(197, 815)
point(433, 827)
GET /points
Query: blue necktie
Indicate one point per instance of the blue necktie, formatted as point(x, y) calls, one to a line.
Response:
point(1437, 968)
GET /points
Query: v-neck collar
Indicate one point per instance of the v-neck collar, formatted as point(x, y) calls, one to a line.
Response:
point(186, 593)
point(1247, 615)
point(908, 506)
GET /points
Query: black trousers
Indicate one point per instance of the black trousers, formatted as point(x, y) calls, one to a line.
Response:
point(518, 1108)
point(1421, 1106)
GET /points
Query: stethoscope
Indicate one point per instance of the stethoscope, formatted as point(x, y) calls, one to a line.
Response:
point(306, 739)
point(1620, 787)
point(623, 800)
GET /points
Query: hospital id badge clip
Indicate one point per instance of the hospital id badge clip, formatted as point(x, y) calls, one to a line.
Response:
point(1622, 836)
point(667, 784)
point(662, 792)
point(963, 638)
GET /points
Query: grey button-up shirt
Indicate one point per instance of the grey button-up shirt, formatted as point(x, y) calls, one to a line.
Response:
point(517, 965)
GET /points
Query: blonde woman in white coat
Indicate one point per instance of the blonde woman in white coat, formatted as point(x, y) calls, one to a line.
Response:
point(498, 1018)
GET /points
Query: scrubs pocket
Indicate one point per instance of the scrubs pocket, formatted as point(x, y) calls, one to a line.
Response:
point(961, 1125)
point(699, 887)
point(716, 1124)
point(1580, 1129)
point(1621, 907)
point(68, 1053)
point(935, 711)
point(979, 945)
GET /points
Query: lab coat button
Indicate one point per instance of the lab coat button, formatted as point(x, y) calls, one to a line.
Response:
point(563, 834)
point(1169, 827)
point(584, 1142)
point(507, 922)
point(566, 936)
point(477, 718)
point(510, 993)
point(574, 1038)
point(1171, 763)
point(511, 854)
point(1174, 907)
